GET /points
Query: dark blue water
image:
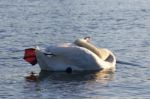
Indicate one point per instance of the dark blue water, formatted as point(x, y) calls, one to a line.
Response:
point(122, 26)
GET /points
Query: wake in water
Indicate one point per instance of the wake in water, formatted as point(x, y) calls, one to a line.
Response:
point(127, 63)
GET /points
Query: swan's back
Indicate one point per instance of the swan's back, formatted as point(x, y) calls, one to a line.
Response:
point(100, 52)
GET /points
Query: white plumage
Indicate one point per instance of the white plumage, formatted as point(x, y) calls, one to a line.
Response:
point(74, 57)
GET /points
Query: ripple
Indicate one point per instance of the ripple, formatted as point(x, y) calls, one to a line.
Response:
point(122, 26)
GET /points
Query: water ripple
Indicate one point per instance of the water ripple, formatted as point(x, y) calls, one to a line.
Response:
point(119, 25)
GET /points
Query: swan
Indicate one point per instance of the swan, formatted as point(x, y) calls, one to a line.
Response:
point(78, 56)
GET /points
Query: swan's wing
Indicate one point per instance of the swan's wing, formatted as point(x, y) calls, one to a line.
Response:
point(75, 55)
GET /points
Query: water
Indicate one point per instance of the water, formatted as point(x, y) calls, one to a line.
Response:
point(120, 25)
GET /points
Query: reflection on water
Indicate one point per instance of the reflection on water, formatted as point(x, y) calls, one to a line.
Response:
point(75, 84)
point(120, 25)
point(77, 76)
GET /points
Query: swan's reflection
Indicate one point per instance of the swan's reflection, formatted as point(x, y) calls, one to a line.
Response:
point(66, 84)
point(102, 76)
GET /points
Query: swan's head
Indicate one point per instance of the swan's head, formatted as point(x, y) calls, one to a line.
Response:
point(87, 38)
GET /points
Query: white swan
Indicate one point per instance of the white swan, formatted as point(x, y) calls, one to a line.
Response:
point(81, 56)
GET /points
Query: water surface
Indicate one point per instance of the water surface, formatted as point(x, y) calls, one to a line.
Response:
point(121, 26)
